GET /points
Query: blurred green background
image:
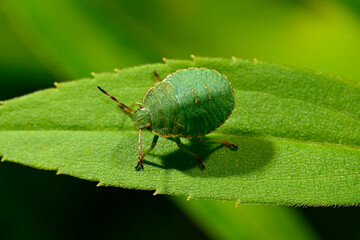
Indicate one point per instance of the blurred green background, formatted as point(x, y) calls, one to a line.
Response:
point(52, 41)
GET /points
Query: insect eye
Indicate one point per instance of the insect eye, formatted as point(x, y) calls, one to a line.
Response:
point(142, 107)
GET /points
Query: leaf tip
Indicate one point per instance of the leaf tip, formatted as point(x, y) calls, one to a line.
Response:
point(93, 74)
point(156, 192)
point(3, 159)
point(58, 172)
point(164, 60)
point(188, 198)
point(255, 60)
point(2, 102)
point(237, 203)
point(99, 184)
point(193, 56)
point(56, 84)
point(233, 58)
point(116, 70)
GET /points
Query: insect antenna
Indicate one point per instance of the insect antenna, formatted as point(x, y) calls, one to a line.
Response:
point(123, 106)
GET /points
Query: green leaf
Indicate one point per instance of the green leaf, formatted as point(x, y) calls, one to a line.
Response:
point(297, 131)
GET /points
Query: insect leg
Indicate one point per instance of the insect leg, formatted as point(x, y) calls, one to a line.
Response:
point(222, 142)
point(157, 78)
point(140, 163)
point(123, 106)
point(136, 104)
point(153, 144)
point(178, 142)
point(143, 154)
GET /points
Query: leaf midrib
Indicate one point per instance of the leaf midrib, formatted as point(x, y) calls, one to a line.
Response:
point(352, 116)
point(324, 144)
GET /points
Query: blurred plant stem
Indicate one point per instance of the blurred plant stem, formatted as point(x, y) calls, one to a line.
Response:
point(223, 220)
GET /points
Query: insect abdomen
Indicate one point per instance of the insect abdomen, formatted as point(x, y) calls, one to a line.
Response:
point(205, 99)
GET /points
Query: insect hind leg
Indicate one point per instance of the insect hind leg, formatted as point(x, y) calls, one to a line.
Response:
point(221, 142)
point(178, 142)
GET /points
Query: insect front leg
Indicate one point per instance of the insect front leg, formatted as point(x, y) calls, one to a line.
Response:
point(143, 154)
point(178, 142)
point(139, 104)
point(222, 142)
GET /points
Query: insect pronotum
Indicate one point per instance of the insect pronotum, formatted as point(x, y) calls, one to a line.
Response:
point(188, 103)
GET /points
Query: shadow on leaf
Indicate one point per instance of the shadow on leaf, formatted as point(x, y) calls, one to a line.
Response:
point(252, 155)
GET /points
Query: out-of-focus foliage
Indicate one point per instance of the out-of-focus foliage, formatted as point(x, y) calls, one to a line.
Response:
point(244, 221)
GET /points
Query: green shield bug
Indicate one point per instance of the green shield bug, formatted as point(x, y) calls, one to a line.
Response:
point(188, 103)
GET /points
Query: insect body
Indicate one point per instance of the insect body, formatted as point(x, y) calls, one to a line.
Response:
point(188, 103)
